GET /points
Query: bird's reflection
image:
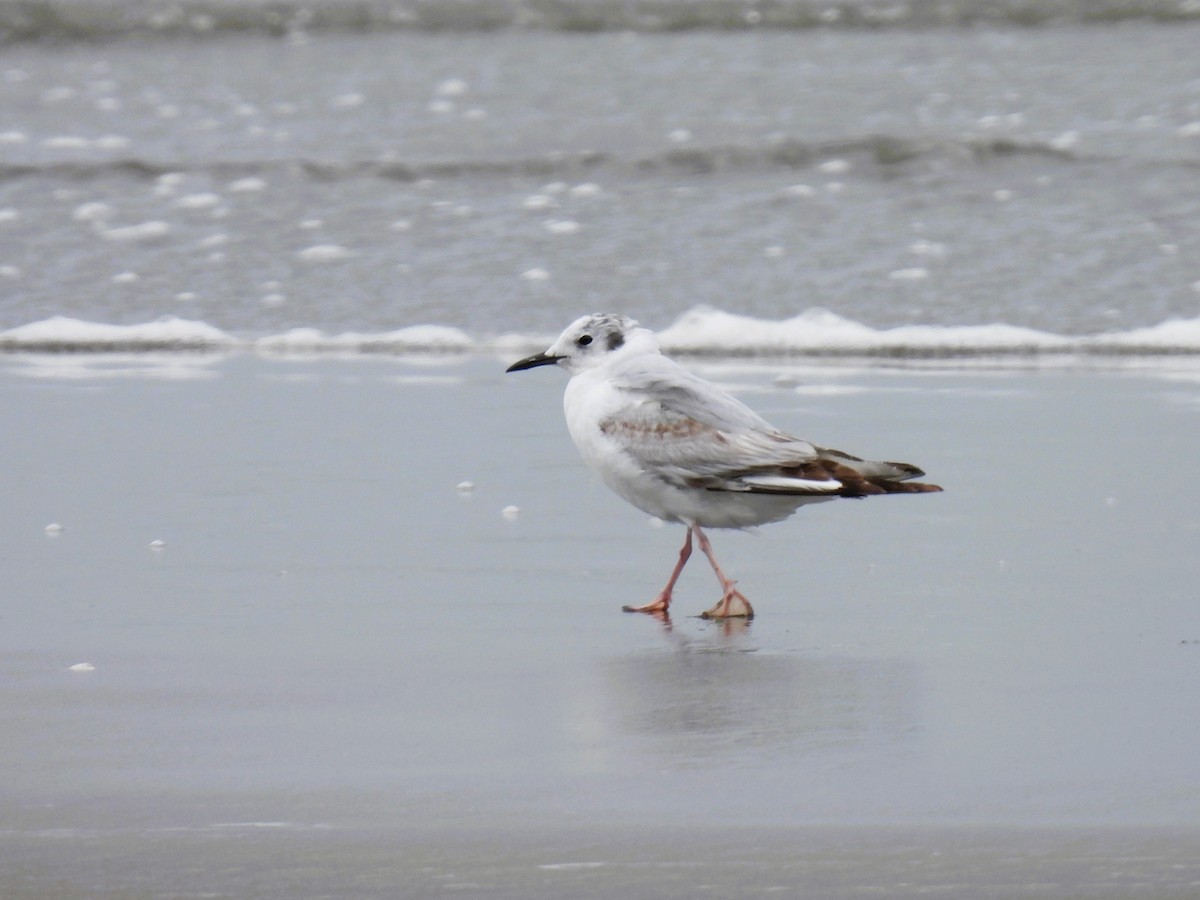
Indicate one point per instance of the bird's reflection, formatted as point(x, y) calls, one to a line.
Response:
point(714, 695)
point(728, 629)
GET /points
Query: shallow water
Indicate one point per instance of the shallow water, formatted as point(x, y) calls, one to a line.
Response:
point(336, 654)
point(508, 181)
point(330, 613)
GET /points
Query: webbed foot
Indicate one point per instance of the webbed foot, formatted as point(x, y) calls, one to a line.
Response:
point(733, 605)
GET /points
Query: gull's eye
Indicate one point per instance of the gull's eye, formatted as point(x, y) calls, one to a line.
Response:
point(584, 341)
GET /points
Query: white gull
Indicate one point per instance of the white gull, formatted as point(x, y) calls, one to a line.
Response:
point(681, 449)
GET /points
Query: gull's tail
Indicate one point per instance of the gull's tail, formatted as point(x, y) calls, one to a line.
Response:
point(864, 477)
point(832, 473)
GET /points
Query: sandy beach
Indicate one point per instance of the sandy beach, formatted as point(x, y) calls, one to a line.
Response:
point(273, 649)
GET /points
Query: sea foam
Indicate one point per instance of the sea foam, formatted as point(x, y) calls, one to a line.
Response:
point(63, 334)
point(699, 332)
point(429, 338)
point(819, 331)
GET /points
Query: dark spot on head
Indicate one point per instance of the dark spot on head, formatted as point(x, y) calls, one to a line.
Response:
point(615, 340)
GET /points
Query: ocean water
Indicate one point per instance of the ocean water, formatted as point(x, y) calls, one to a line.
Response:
point(935, 177)
point(256, 639)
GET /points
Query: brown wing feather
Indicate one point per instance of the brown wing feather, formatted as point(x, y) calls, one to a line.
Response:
point(873, 478)
point(856, 484)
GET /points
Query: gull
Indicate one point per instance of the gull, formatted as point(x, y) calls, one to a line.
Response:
point(680, 448)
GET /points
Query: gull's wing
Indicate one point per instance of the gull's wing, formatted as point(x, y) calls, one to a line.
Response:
point(691, 433)
point(658, 379)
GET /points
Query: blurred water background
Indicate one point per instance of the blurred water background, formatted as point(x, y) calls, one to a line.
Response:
point(500, 167)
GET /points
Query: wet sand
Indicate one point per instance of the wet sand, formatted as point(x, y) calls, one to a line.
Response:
point(594, 861)
point(339, 675)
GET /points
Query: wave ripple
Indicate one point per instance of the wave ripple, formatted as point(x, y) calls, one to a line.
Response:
point(699, 332)
point(93, 19)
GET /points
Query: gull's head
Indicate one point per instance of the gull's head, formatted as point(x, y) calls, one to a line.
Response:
point(592, 341)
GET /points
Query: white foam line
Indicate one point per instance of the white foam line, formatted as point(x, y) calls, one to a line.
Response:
point(438, 338)
point(705, 330)
point(62, 333)
point(702, 331)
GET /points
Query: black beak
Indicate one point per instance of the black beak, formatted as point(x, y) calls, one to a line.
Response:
point(531, 362)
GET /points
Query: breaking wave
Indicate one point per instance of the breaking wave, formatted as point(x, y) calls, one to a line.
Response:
point(784, 153)
point(700, 332)
point(105, 19)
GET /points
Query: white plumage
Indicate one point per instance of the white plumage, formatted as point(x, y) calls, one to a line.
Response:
point(679, 448)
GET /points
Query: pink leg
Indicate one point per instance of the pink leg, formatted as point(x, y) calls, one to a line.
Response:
point(732, 603)
point(662, 602)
